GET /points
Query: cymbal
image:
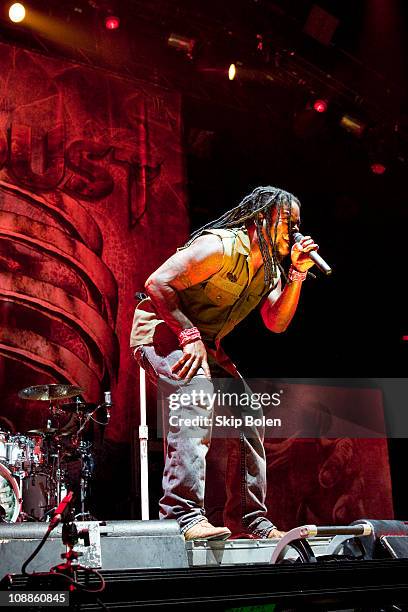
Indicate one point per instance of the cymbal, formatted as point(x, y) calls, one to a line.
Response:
point(42, 432)
point(78, 407)
point(49, 392)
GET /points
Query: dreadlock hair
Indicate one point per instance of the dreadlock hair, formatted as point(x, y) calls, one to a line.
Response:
point(261, 200)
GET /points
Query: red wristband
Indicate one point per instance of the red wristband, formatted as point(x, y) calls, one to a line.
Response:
point(296, 275)
point(188, 335)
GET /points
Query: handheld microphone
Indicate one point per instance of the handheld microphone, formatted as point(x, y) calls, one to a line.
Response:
point(314, 256)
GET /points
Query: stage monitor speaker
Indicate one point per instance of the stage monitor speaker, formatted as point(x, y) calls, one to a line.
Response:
point(396, 546)
point(110, 545)
point(389, 538)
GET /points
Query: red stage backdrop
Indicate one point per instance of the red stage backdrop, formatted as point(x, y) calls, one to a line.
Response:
point(92, 200)
point(330, 480)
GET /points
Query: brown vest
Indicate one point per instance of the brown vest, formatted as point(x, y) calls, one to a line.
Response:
point(218, 304)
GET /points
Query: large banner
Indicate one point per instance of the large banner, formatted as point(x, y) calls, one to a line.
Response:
point(326, 451)
point(91, 201)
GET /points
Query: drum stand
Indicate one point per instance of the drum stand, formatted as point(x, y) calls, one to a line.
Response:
point(56, 476)
point(86, 470)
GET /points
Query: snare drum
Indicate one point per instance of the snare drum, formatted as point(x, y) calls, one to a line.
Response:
point(9, 495)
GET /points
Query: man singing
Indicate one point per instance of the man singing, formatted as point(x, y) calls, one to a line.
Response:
point(227, 268)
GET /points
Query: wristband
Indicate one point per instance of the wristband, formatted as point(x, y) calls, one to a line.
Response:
point(296, 275)
point(188, 335)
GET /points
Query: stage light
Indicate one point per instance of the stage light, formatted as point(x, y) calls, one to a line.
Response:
point(182, 43)
point(352, 125)
point(378, 168)
point(320, 106)
point(232, 71)
point(17, 12)
point(112, 22)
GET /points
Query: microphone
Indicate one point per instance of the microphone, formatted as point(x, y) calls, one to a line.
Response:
point(314, 256)
point(61, 508)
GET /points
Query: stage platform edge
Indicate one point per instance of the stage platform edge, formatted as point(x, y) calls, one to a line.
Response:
point(120, 545)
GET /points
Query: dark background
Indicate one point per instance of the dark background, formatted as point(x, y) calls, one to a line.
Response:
point(352, 323)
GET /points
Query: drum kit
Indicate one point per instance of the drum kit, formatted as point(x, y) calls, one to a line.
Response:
point(33, 466)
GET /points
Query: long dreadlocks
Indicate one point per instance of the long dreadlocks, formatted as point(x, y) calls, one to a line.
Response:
point(261, 200)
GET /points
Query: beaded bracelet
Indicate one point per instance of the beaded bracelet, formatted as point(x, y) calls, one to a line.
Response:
point(188, 335)
point(296, 275)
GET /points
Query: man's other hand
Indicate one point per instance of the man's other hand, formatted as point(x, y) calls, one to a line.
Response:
point(194, 357)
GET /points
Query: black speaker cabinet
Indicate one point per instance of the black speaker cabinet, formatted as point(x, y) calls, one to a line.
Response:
point(389, 539)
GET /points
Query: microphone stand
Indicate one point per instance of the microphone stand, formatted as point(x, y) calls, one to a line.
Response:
point(66, 572)
point(69, 569)
point(69, 538)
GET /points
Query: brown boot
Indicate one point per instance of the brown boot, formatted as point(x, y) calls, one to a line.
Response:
point(203, 530)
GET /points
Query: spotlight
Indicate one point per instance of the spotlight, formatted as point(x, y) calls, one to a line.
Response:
point(112, 22)
point(182, 43)
point(378, 168)
point(353, 125)
point(232, 71)
point(17, 12)
point(320, 106)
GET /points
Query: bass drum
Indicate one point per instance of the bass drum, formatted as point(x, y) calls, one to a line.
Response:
point(10, 505)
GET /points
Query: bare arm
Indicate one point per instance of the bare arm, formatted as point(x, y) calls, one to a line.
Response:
point(185, 268)
point(280, 306)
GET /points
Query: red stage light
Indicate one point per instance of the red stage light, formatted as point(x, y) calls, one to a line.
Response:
point(112, 22)
point(378, 168)
point(320, 106)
